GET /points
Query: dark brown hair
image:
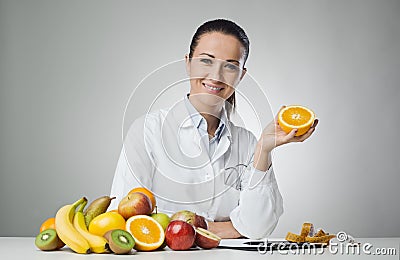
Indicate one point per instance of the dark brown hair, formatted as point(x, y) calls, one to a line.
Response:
point(226, 27)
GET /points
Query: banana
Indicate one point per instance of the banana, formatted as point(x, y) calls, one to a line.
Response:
point(97, 244)
point(66, 230)
point(97, 207)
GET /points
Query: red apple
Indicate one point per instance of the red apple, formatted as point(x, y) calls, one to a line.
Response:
point(179, 235)
point(135, 203)
point(191, 218)
point(206, 239)
point(200, 222)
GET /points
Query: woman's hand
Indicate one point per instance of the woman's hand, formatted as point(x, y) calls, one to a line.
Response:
point(273, 136)
point(223, 229)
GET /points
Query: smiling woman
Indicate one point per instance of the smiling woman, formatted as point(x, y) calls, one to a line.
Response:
point(226, 39)
point(216, 66)
point(181, 153)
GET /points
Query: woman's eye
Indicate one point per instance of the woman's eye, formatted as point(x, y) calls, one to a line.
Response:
point(232, 67)
point(206, 61)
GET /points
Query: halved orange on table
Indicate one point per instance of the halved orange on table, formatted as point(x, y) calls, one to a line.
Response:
point(296, 117)
point(147, 232)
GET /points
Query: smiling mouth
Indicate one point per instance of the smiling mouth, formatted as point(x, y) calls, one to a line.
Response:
point(212, 88)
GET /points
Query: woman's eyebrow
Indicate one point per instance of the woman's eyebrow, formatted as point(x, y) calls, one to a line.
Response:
point(212, 56)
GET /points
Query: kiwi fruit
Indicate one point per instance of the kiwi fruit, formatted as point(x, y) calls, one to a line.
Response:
point(107, 235)
point(60, 244)
point(48, 240)
point(119, 241)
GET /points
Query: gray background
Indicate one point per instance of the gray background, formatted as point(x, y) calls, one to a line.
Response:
point(67, 69)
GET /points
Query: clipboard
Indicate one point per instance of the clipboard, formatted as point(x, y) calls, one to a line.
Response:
point(267, 245)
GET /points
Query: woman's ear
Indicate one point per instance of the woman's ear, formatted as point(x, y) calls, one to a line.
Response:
point(187, 61)
point(243, 73)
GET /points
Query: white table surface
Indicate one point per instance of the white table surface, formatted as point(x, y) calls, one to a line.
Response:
point(24, 248)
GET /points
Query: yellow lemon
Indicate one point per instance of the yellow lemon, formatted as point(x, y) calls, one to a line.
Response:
point(105, 222)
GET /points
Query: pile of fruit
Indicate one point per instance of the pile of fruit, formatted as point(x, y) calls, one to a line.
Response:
point(132, 225)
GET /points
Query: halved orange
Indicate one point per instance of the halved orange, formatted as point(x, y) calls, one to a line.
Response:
point(147, 232)
point(148, 193)
point(296, 116)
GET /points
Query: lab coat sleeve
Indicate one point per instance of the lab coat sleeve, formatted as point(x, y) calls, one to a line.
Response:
point(260, 203)
point(135, 167)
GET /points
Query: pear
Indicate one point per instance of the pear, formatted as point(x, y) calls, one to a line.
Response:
point(97, 207)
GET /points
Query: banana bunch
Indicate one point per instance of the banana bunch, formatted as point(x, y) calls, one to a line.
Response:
point(71, 229)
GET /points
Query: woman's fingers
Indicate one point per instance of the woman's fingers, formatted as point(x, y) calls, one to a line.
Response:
point(309, 132)
point(290, 136)
point(306, 135)
point(316, 121)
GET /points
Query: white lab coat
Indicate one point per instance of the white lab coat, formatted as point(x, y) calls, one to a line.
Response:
point(163, 152)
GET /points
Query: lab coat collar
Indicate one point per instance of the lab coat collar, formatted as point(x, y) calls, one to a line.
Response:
point(195, 116)
point(179, 125)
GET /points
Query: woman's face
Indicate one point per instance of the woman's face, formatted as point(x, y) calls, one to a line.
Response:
point(216, 67)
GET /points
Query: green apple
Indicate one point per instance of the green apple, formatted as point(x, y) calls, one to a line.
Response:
point(162, 218)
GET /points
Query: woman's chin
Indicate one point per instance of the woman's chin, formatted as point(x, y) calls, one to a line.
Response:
point(210, 99)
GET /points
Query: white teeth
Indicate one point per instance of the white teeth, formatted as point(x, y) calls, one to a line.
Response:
point(212, 88)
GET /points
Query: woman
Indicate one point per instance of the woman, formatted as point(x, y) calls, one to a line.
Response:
point(193, 157)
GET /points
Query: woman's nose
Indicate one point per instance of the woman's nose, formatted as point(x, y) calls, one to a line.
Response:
point(216, 73)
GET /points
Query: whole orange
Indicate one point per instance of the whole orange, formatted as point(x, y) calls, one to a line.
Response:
point(106, 222)
point(48, 223)
point(148, 193)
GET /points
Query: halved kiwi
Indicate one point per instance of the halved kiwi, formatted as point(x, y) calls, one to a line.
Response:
point(120, 241)
point(47, 240)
